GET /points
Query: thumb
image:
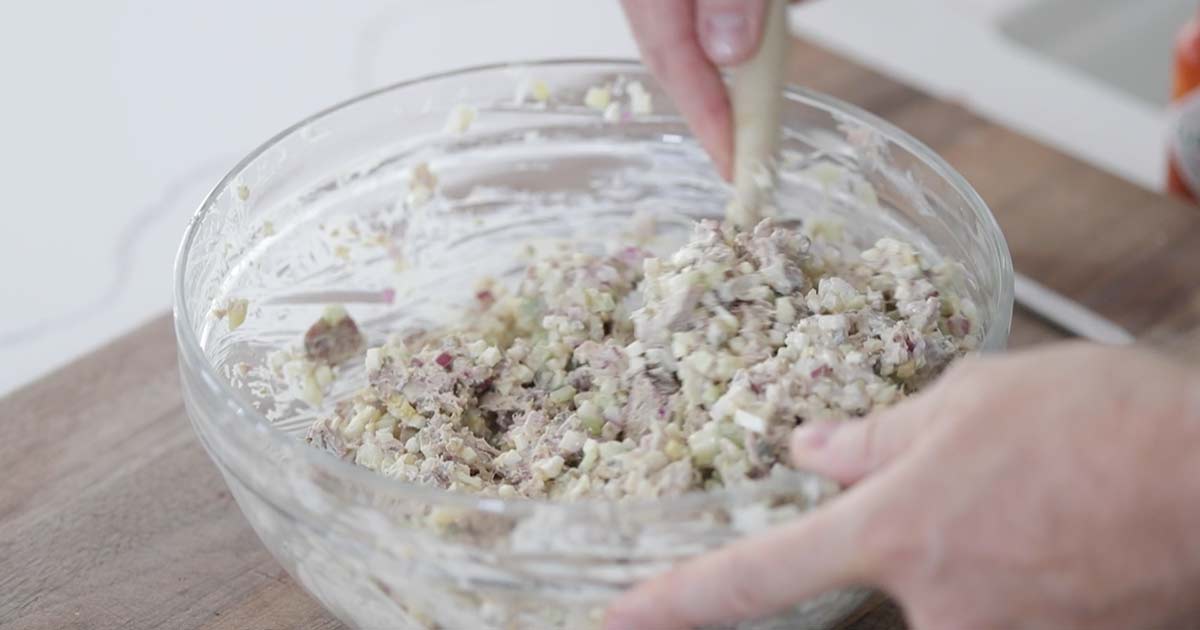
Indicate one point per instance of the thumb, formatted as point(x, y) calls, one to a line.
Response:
point(849, 450)
point(730, 30)
point(759, 575)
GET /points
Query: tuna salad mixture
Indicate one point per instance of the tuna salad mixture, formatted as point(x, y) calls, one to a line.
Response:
point(628, 375)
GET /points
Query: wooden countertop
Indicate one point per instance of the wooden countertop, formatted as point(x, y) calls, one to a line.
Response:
point(112, 516)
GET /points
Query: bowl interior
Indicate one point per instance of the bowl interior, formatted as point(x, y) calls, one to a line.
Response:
point(322, 213)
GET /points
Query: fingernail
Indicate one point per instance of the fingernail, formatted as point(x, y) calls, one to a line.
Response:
point(814, 436)
point(726, 36)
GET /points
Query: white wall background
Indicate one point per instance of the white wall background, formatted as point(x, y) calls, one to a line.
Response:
point(118, 116)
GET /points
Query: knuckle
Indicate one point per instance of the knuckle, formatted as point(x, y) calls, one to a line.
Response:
point(872, 448)
point(935, 613)
point(655, 56)
point(970, 385)
point(964, 370)
point(888, 545)
point(743, 595)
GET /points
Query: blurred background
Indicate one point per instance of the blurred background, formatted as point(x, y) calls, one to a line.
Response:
point(119, 115)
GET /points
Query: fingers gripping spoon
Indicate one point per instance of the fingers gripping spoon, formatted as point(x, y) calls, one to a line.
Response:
point(756, 97)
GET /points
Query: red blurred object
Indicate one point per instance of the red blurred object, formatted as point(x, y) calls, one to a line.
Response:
point(1183, 159)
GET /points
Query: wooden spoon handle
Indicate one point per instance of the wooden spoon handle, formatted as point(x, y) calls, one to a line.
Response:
point(757, 97)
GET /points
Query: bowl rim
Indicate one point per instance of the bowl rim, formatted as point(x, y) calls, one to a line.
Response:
point(192, 354)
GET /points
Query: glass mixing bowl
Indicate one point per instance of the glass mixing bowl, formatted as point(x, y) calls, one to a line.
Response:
point(324, 212)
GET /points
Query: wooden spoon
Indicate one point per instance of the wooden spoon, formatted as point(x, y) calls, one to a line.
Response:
point(757, 97)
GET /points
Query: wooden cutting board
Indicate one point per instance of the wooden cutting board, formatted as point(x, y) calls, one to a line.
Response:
point(112, 516)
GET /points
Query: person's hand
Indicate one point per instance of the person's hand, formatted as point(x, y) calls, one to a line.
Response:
point(1058, 489)
point(684, 42)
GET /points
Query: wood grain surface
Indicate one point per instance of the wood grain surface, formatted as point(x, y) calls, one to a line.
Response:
point(111, 515)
